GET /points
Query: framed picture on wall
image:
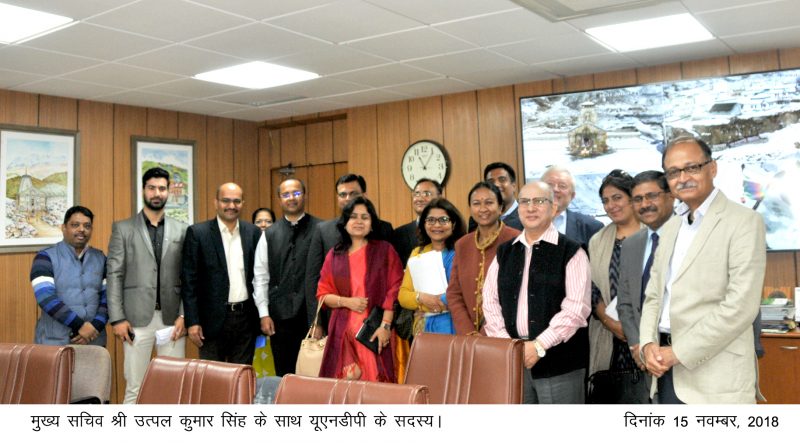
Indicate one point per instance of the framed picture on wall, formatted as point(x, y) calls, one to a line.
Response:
point(174, 156)
point(38, 181)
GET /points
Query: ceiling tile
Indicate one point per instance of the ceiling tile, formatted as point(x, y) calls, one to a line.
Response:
point(680, 53)
point(412, 44)
point(258, 42)
point(334, 59)
point(345, 20)
point(711, 5)
point(180, 59)
point(140, 98)
point(171, 20)
point(757, 18)
point(432, 87)
point(260, 10)
point(83, 39)
point(587, 65)
point(464, 62)
point(68, 88)
point(123, 76)
point(444, 10)
point(629, 15)
point(77, 10)
point(505, 27)
point(571, 45)
point(18, 58)
point(308, 106)
point(381, 76)
point(204, 107)
point(9, 79)
point(368, 97)
point(784, 38)
point(258, 114)
point(506, 76)
point(193, 88)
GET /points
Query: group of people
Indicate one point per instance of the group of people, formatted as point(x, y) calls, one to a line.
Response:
point(661, 292)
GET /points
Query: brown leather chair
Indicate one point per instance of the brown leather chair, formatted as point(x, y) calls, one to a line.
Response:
point(467, 368)
point(190, 381)
point(296, 389)
point(32, 373)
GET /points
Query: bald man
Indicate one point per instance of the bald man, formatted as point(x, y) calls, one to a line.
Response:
point(217, 281)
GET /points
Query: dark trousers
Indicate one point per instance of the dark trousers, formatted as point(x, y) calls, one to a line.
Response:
point(665, 385)
point(286, 341)
point(235, 344)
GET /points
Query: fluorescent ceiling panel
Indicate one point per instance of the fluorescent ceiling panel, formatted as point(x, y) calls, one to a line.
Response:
point(256, 75)
point(651, 33)
point(21, 24)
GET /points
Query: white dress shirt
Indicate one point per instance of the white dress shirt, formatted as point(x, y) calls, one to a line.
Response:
point(234, 258)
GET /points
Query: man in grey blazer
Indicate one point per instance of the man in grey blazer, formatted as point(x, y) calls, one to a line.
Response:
point(705, 287)
point(576, 226)
point(653, 204)
point(143, 280)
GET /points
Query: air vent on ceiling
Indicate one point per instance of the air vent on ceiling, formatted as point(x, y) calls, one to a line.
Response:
point(559, 10)
point(264, 103)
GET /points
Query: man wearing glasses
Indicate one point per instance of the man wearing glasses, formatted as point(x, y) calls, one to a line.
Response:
point(575, 225)
point(405, 237)
point(705, 288)
point(326, 236)
point(543, 298)
point(217, 278)
point(280, 272)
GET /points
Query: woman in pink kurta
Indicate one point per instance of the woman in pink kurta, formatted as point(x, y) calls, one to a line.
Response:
point(359, 274)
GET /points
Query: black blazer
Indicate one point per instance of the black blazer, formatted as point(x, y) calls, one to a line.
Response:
point(405, 239)
point(581, 228)
point(204, 275)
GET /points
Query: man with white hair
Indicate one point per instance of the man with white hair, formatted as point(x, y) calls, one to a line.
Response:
point(576, 226)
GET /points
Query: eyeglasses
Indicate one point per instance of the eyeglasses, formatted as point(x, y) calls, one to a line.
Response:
point(560, 186)
point(691, 169)
point(616, 199)
point(227, 201)
point(499, 180)
point(652, 196)
point(537, 202)
point(426, 193)
point(442, 220)
point(287, 195)
point(345, 195)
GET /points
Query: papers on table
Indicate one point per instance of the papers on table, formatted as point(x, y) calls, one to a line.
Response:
point(427, 273)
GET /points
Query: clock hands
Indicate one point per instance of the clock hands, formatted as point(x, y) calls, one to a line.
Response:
point(425, 164)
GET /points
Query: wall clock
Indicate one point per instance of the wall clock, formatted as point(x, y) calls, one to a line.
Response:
point(425, 159)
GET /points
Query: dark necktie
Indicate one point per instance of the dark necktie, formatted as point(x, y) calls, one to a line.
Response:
point(649, 264)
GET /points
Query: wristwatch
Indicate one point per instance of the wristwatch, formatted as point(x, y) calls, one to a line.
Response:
point(387, 326)
point(539, 349)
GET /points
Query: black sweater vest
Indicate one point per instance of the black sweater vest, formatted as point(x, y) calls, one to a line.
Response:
point(546, 291)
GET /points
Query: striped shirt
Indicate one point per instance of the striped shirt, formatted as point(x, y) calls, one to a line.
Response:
point(575, 307)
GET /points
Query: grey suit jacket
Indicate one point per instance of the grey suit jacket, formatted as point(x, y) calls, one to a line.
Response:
point(629, 293)
point(131, 272)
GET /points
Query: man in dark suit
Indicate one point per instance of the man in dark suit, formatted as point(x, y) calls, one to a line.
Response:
point(574, 225)
point(326, 236)
point(405, 237)
point(217, 278)
point(503, 176)
point(280, 272)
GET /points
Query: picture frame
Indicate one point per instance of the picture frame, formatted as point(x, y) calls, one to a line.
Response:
point(39, 182)
point(177, 157)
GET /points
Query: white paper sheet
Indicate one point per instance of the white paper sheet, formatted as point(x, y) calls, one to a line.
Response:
point(164, 336)
point(427, 273)
point(611, 310)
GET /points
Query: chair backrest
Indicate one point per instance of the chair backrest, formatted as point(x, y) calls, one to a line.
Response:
point(91, 380)
point(467, 368)
point(296, 389)
point(171, 380)
point(32, 373)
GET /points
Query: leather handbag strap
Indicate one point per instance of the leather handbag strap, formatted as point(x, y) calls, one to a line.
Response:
point(314, 324)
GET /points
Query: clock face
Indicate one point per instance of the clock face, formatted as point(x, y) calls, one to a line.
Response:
point(425, 159)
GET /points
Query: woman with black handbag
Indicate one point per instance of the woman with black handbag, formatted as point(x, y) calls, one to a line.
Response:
point(614, 376)
point(359, 282)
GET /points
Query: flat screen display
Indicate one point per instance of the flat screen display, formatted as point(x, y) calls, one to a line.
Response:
point(752, 123)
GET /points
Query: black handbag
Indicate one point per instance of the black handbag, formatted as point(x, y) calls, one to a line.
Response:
point(628, 386)
point(371, 324)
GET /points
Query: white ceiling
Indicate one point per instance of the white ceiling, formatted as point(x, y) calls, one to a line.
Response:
point(144, 52)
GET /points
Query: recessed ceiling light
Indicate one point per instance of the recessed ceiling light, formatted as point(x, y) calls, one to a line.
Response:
point(18, 25)
point(256, 75)
point(651, 33)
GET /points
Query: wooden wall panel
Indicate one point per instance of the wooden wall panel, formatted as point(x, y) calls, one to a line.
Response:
point(789, 58)
point(754, 62)
point(162, 123)
point(392, 143)
point(128, 121)
point(17, 108)
point(705, 68)
point(362, 148)
point(96, 124)
point(425, 119)
point(18, 307)
point(219, 157)
point(340, 140)
point(274, 148)
point(293, 146)
point(320, 201)
point(460, 118)
point(58, 112)
point(319, 143)
point(339, 169)
point(245, 167)
point(614, 79)
point(575, 83)
point(781, 273)
point(497, 119)
point(660, 73)
point(192, 127)
point(264, 176)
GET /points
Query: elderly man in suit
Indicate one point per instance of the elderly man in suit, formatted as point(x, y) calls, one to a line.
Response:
point(705, 288)
point(574, 225)
point(143, 271)
point(217, 277)
point(653, 204)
